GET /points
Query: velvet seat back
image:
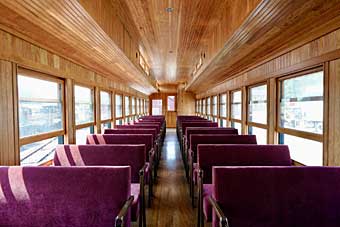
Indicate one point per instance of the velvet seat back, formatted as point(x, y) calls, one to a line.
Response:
point(140, 126)
point(278, 196)
point(197, 124)
point(208, 130)
point(196, 139)
point(157, 124)
point(153, 132)
point(240, 155)
point(145, 139)
point(63, 196)
point(102, 155)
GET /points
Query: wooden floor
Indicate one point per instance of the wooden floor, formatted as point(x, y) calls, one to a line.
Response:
point(171, 205)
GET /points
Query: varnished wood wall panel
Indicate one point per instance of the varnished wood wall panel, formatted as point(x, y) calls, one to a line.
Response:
point(31, 56)
point(311, 54)
point(8, 132)
point(170, 116)
point(186, 101)
point(334, 114)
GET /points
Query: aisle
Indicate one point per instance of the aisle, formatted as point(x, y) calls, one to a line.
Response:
point(171, 205)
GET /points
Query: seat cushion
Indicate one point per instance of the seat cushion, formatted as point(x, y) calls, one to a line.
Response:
point(207, 208)
point(135, 191)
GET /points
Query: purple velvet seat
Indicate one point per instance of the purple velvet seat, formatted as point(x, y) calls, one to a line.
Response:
point(278, 196)
point(63, 196)
point(109, 155)
point(196, 139)
point(235, 155)
point(145, 139)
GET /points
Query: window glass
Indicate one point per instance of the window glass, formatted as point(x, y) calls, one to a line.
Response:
point(208, 106)
point(214, 106)
point(223, 105)
point(260, 133)
point(156, 107)
point(238, 126)
point(127, 105)
point(258, 104)
point(301, 103)
point(223, 123)
point(138, 106)
point(133, 105)
point(307, 152)
point(39, 152)
point(105, 105)
point(83, 99)
point(119, 106)
point(81, 134)
point(204, 107)
point(171, 103)
point(39, 113)
point(119, 122)
point(236, 105)
point(105, 126)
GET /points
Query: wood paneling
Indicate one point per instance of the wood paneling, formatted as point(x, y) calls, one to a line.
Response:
point(173, 41)
point(333, 114)
point(186, 101)
point(69, 30)
point(9, 154)
point(170, 116)
point(314, 53)
point(30, 56)
point(272, 29)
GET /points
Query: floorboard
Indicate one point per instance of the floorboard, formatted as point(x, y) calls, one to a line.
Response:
point(171, 204)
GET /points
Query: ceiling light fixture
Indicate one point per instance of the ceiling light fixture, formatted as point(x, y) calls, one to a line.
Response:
point(169, 9)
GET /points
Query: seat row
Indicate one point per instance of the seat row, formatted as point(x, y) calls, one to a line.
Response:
point(102, 183)
point(236, 182)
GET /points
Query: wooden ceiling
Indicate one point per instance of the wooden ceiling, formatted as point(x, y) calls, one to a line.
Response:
point(66, 28)
point(172, 39)
point(233, 36)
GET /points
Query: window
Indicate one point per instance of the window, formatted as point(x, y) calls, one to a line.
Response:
point(238, 126)
point(204, 107)
point(208, 106)
point(105, 106)
point(81, 134)
point(223, 105)
point(301, 103)
point(171, 103)
point(119, 106)
point(236, 105)
point(106, 125)
point(301, 116)
point(147, 107)
point(157, 107)
point(200, 106)
point(138, 107)
point(133, 105)
point(83, 99)
point(214, 106)
point(127, 105)
point(260, 133)
point(39, 115)
point(258, 104)
point(257, 113)
point(84, 112)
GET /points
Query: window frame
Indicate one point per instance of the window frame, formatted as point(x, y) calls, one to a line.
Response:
point(295, 132)
point(43, 136)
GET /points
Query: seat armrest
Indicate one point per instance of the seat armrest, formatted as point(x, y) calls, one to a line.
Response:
point(119, 222)
point(223, 221)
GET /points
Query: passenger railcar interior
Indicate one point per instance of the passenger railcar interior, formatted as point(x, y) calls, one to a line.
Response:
point(170, 113)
